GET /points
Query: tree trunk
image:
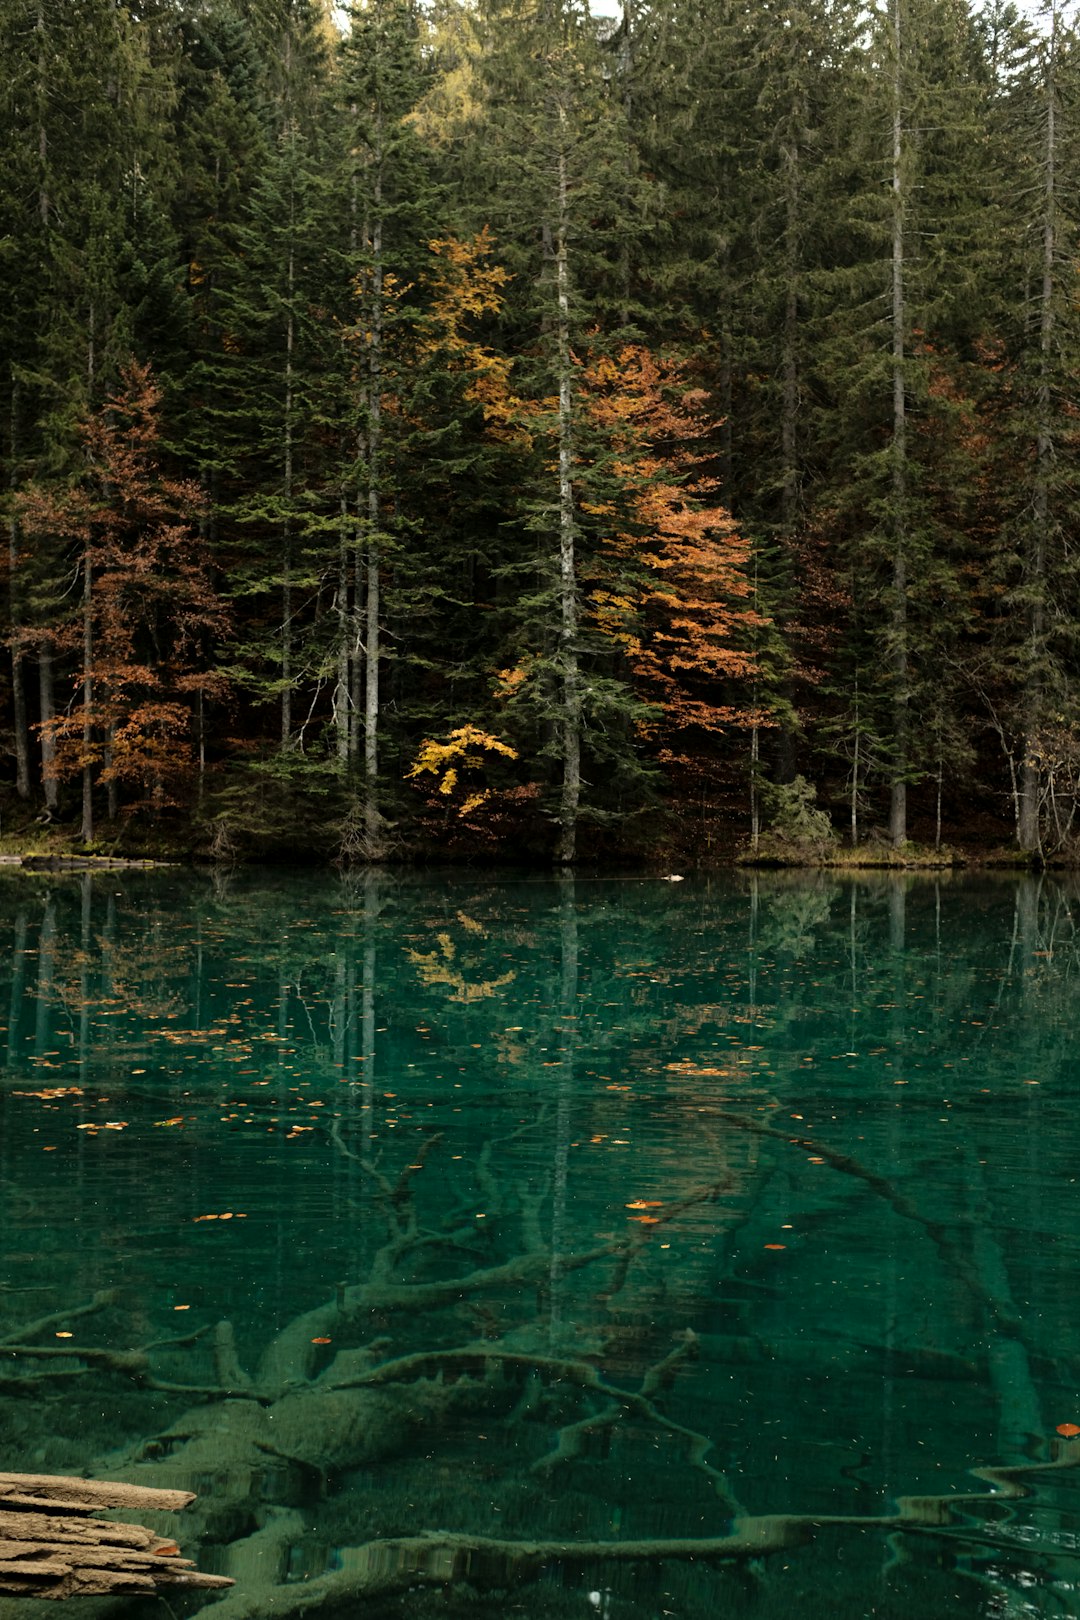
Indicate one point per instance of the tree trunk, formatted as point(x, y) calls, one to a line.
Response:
point(898, 798)
point(53, 1548)
point(18, 682)
point(18, 721)
point(356, 654)
point(755, 797)
point(112, 794)
point(789, 418)
point(1030, 782)
point(286, 537)
point(789, 359)
point(568, 604)
point(200, 727)
point(342, 717)
point(856, 763)
point(372, 649)
point(49, 782)
point(355, 623)
point(86, 831)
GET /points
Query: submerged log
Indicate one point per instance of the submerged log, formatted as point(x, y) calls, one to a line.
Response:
point(51, 1547)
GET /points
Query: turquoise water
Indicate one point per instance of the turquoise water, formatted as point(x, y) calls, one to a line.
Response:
point(615, 1212)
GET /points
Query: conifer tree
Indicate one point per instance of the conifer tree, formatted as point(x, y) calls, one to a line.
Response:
point(1032, 646)
point(554, 169)
point(89, 89)
point(903, 365)
point(389, 208)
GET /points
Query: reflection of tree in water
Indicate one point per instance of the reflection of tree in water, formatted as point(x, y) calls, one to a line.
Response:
point(485, 1369)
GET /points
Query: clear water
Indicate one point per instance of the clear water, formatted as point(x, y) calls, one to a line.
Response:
point(689, 1202)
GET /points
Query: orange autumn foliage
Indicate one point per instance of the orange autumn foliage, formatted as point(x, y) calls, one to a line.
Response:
point(151, 611)
point(684, 619)
point(465, 286)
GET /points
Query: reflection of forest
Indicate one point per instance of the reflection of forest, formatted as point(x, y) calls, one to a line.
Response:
point(581, 1237)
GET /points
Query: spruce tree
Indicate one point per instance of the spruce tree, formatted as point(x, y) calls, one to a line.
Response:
point(903, 364)
point(551, 158)
point(1028, 665)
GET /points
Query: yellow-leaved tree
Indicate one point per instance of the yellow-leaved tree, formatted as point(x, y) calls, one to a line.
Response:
point(467, 750)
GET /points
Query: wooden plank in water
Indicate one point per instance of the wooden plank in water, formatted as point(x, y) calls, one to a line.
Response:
point(51, 1547)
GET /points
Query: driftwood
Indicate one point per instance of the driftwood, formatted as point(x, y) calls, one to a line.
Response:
point(51, 1547)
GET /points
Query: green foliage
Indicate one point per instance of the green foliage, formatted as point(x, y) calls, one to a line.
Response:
point(401, 276)
point(797, 831)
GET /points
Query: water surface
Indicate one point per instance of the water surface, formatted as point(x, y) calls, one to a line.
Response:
point(613, 1211)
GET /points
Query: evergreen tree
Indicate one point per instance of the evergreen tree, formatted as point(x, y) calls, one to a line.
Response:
point(903, 365)
point(553, 163)
point(390, 210)
point(1028, 667)
point(88, 95)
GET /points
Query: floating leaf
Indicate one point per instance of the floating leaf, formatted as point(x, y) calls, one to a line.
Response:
point(51, 1091)
point(776, 1245)
point(322, 1340)
point(1068, 1429)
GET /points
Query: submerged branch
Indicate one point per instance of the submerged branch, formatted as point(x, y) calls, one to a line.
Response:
point(439, 1558)
point(953, 1256)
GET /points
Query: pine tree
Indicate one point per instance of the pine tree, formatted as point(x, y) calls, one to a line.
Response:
point(903, 480)
point(89, 90)
point(1032, 640)
point(551, 156)
point(266, 360)
point(389, 199)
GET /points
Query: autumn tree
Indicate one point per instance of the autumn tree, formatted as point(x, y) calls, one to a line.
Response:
point(551, 163)
point(84, 274)
point(671, 585)
point(144, 628)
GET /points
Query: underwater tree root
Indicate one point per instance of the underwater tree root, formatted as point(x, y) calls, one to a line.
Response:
point(381, 1568)
point(301, 1416)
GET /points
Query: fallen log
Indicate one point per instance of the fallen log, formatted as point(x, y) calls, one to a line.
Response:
point(52, 1547)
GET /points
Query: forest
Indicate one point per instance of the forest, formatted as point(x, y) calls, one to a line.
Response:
point(478, 428)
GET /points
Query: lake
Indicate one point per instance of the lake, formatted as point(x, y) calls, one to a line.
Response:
point(488, 1245)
